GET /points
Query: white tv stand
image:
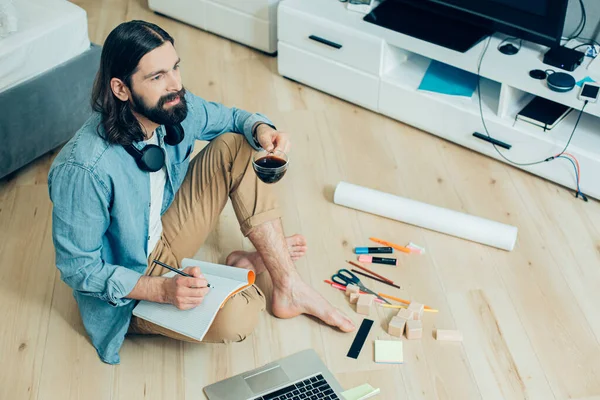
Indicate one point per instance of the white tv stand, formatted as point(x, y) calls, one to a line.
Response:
point(250, 22)
point(381, 69)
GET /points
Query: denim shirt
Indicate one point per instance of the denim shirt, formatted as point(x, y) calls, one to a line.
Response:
point(100, 216)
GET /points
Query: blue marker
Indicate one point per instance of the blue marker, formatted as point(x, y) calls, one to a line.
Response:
point(373, 250)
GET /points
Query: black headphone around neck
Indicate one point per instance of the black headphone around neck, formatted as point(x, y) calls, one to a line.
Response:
point(152, 157)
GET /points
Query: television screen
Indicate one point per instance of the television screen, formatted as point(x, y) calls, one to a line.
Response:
point(538, 7)
point(459, 24)
point(541, 21)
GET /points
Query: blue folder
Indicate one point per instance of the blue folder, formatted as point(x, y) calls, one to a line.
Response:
point(446, 79)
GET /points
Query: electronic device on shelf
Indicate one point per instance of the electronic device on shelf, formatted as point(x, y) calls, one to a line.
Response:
point(460, 24)
point(589, 91)
point(560, 82)
point(538, 74)
point(564, 58)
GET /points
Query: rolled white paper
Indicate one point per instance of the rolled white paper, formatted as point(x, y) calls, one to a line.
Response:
point(427, 216)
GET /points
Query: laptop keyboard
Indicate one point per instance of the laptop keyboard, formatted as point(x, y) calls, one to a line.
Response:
point(315, 388)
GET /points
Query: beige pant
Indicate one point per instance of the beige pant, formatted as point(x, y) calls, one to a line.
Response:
point(222, 170)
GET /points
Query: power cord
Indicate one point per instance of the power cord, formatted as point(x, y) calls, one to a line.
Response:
point(577, 34)
point(577, 169)
point(582, 22)
point(559, 155)
point(588, 41)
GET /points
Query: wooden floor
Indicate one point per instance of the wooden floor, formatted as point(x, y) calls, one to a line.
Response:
point(530, 317)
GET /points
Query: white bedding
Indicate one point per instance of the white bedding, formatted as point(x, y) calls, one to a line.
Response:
point(49, 33)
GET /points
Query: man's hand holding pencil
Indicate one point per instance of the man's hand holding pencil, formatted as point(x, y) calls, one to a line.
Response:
point(185, 290)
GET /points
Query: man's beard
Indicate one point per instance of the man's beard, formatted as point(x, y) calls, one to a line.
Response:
point(158, 114)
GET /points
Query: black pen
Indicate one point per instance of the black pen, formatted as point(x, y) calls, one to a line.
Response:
point(176, 270)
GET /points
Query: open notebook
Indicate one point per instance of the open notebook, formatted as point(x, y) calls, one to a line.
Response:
point(225, 281)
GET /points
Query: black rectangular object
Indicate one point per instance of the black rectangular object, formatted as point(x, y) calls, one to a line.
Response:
point(359, 339)
point(428, 25)
point(564, 58)
point(540, 21)
point(325, 42)
point(492, 140)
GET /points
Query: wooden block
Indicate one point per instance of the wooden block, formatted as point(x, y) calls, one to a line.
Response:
point(351, 288)
point(414, 329)
point(364, 303)
point(405, 314)
point(417, 308)
point(396, 326)
point(449, 335)
point(354, 297)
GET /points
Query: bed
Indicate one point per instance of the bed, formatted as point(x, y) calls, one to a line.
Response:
point(47, 68)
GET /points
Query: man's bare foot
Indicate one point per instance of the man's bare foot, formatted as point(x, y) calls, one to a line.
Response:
point(299, 298)
point(252, 260)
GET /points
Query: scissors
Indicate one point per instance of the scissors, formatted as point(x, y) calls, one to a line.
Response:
point(345, 277)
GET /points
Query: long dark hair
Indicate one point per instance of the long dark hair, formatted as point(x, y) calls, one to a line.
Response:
point(122, 51)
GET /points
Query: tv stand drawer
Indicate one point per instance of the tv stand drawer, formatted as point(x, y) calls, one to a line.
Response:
point(330, 40)
point(329, 76)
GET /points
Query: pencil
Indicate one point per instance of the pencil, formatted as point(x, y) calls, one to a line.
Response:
point(369, 271)
point(387, 296)
point(374, 278)
point(396, 306)
point(176, 270)
point(395, 246)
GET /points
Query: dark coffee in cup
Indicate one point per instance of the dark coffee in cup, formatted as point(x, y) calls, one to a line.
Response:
point(270, 169)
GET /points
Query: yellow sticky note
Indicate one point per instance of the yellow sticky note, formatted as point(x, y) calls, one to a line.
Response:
point(361, 392)
point(389, 352)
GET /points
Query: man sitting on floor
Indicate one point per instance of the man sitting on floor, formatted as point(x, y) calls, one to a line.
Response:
point(125, 192)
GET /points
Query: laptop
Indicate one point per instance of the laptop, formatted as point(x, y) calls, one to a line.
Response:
point(300, 376)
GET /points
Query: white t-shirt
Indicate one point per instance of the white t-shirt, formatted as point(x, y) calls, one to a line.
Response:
point(158, 180)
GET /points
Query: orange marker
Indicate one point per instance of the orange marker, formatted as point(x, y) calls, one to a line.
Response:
point(395, 246)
